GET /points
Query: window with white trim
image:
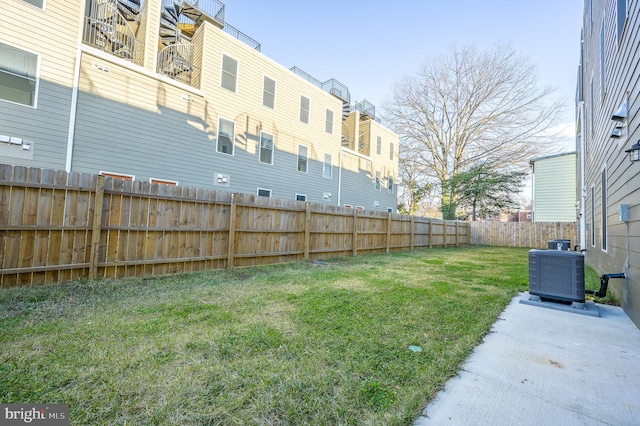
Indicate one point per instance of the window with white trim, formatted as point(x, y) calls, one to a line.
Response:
point(328, 126)
point(379, 146)
point(229, 76)
point(266, 148)
point(593, 216)
point(603, 208)
point(603, 76)
point(378, 181)
point(269, 93)
point(622, 9)
point(36, 3)
point(301, 197)
point(390, 184)
point(391, 151)
point(304, 109)
point(226, 136)
point(163, 181)
point(302, 158)
point(117, 175)
point(264, 192)
point(327, 168)
point(18, 75)
point(593, 105)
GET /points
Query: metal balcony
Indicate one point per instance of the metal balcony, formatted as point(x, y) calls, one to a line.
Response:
point(232, 31)
point(366, 107)
point(108, 29)
point(337, 89)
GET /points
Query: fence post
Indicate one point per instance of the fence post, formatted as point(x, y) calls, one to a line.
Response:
point(430, 233)
point(307, 229)
point(95, 230)
point(388, 249)
point(355, 232)
point(457, 233)
point(445, 234)
point(412, 237)
point(232, 232)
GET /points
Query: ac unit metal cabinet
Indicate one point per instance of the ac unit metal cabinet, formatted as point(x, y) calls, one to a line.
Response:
point(557, 275)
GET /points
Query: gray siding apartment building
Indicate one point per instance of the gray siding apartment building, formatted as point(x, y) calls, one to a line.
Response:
point(168, 92)
point(608, 132)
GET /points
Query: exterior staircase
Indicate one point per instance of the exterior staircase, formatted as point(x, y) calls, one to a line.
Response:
point(109, 26)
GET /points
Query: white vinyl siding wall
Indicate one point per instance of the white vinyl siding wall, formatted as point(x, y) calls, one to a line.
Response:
point(554, 189)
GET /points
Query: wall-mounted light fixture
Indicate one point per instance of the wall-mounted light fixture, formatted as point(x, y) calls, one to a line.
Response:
point(617, 131)
point(634, 152)
point(621, 113)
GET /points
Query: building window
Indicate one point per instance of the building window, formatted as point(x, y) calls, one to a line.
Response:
point(593, 102)
point(304, 109)
point(36, 3)
point(264, 192)
point(603, 79)
point(348, 206)
point(378, 181)
point(269, 93)
point(623, 8)
point(593, 216)
point(163, 181)
point(18, 75)
point(226, 136)
point(379, 146)
point(301, 197)
point(328, 126)
point(603, 208)
point(266, 148)
point(229, 75)
point(117, 175)
point(327, 169)
point(390, 186)
point(302, 158)
point(391, 148)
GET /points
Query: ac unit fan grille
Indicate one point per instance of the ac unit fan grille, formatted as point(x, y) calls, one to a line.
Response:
point(557, 275)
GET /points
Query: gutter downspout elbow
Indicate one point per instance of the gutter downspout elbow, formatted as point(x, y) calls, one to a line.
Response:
point(73, 110)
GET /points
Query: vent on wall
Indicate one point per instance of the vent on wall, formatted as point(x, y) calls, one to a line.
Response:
point(557, 275)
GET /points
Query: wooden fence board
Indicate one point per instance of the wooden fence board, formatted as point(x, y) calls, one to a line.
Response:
point(521, 234)
point(56, 226)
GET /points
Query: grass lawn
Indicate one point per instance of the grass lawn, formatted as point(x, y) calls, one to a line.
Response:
point(326, 343)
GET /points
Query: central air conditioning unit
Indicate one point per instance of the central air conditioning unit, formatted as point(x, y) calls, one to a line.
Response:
point(557, 275)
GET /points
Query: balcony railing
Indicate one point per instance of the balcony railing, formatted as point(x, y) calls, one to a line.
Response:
point(338, 89)
point(297, 71)
point(112, 34)
point(212, 8)
point(366, 107)
point(234, 32)
point(176, 62)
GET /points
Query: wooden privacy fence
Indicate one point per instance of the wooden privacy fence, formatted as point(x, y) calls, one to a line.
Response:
point(522, 234)
point(57, 226)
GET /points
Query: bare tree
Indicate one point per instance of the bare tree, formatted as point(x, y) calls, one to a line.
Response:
point(471, 106)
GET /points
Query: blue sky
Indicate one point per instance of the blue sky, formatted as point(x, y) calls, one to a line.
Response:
point(369, 45)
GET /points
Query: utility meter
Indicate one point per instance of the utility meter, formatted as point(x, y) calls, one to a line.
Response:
point(623, 211)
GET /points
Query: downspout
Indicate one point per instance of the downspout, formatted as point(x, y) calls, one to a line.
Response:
point(583, 187)
point(340, 175)
point(73, 110)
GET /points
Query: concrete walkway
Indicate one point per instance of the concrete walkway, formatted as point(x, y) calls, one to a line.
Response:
point(541, 366)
